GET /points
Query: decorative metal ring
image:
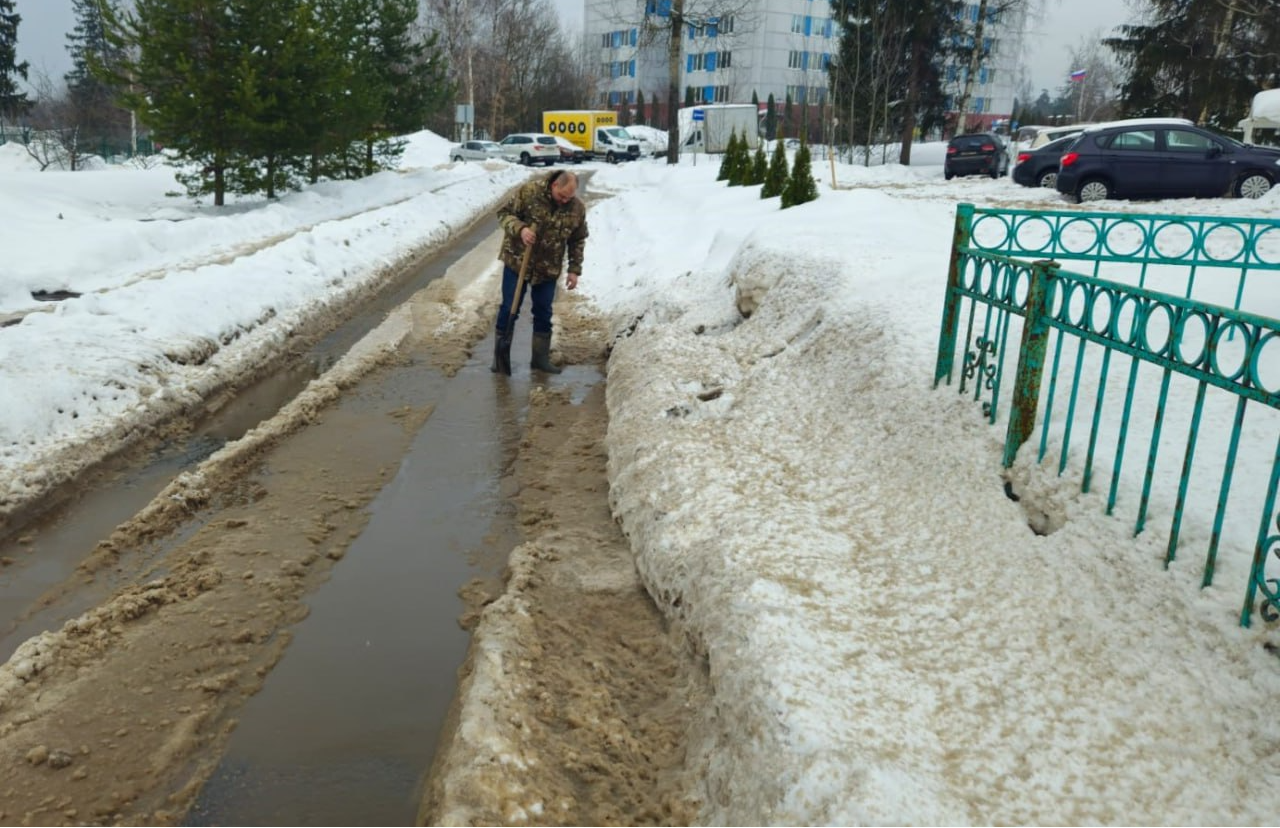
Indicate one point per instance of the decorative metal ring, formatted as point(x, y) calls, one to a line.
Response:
point(1143, 237)
point(998, 244)
point(1181, 337)
point(1255, 368)
point(1090, 226)
point(1162, 230)
point(1025, 246)
point(1149, 319)
point(1225, 341)
point(1238, 255)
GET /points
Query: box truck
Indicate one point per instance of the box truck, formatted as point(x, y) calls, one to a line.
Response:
point(707, 128)
point(595, 131)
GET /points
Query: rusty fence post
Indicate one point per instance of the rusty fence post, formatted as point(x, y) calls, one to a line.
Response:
point(951, 305)
point(1031, 353)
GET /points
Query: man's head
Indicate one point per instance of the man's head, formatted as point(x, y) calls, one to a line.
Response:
point(564, 186)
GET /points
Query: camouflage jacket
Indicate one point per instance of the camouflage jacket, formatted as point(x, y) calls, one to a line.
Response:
point(559, 227)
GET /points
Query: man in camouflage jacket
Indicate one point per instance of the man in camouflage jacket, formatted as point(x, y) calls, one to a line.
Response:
point(546, 213)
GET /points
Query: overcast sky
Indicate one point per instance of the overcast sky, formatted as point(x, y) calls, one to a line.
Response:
point(45, 23)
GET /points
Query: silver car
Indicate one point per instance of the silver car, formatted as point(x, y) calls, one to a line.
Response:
point(475, 151)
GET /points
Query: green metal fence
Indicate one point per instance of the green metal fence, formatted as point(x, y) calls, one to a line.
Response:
point(1025, 319)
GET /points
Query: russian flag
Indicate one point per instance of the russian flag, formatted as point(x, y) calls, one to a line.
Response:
point(1078, 75)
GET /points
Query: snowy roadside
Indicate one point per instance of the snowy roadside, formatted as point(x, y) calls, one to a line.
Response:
point(175, 335)
point(888, 639)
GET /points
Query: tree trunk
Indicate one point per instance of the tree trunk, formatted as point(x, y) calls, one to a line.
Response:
point(673, 82)
point(1219, 48)
point(975, 60)
point(912, 103)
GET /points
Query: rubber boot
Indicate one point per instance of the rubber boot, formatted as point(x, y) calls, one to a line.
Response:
point(501, 355)
point(542, 354)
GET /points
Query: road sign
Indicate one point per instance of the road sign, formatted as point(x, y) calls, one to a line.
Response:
point(698, 115)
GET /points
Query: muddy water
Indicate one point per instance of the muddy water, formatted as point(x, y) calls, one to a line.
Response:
point(42, 556)
point(347, 723)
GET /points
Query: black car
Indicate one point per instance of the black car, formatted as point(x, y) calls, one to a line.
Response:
point(976, 153)
point(1164, 159)
point(1039, 167)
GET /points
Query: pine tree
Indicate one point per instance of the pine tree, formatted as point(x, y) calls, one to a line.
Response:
point(688, 96)
point(801, 186)
point(640, 119)
point(771, 119)
point(759, 166)
point(13, 102)
point(188, 82)
point(775, 180)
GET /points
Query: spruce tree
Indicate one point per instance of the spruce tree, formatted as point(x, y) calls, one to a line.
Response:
point(408, 79)
point(727, 160)
point(640, 107)
point(97, 119)
point(759, 166)
point(742, 164)
point(771, 119)
point(775, 179)
point(800, 186)
point(688, 96)
point(13, 102)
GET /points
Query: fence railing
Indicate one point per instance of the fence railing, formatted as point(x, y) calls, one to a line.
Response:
point(1201, 376)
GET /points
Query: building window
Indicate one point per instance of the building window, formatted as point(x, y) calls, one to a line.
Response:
point(725, 60)
point(712, 26)
point(794, 59)
point(797, 24)
point(726, 24)
point(722, 94)
point(709, 62)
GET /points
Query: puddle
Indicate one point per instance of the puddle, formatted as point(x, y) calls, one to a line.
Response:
point(346, 726)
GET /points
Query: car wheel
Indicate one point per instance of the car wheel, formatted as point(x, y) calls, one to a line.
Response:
point(457, 158)
point(1049, 179)
point(610, 158)
point(525, 159)
point(1095, 189)
point(948, 174)
point(995, 170)
point(1253, 185)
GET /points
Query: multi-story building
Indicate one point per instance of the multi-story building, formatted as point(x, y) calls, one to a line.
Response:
point(734, 48)
point(992, 96)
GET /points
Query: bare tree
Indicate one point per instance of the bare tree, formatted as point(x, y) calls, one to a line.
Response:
point(987, 10)
point(1095, 95)
point(54, 138)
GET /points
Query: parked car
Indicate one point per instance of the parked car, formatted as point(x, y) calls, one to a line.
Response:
point(570, 153)
point(530, 148)
point(1035, 136)
point(476, 151)
point(976, 153)
point(1039, 167)
point(1164, 159)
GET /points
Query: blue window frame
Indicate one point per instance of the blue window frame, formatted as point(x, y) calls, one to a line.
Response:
point(688, 65)
point(709, 62)
point(631, 68)
point(808, 26)
point(635, 33)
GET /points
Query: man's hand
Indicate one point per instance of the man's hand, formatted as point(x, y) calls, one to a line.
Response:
point(527, 236)
point(571, 281)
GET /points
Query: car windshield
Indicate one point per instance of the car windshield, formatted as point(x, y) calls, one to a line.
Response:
point(618, 132)
point(545, 139)
point(971, 142)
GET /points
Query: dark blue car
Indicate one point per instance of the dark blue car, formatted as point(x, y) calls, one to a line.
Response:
point(1164, 159)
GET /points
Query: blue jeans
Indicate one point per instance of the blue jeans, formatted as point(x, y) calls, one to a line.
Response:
point(541, 296)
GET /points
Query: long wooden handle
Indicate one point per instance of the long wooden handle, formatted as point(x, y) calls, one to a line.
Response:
point(524, 268)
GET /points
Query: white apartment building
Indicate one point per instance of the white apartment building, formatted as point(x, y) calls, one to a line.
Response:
point(733, 48)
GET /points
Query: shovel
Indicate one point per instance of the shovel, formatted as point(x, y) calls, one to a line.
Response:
point(502, 353)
